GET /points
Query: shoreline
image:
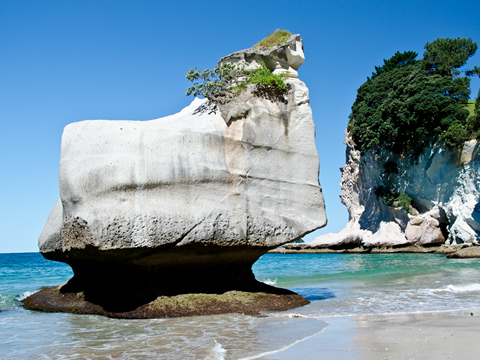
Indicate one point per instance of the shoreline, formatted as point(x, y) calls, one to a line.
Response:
point(451, 251)
point(427, 335)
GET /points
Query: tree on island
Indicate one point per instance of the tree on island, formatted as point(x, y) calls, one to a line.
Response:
point(396, 61)
point(443, 56)
point(409, 104)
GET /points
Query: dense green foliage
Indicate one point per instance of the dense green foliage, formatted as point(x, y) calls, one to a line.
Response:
point(265, 79)
point(228, 79)
point(279, 37)
point(406, 108)
point(408, 104)
point(443, 56)
point(396, 61)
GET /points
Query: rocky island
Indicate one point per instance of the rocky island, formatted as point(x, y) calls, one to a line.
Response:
point(166, 217)
point(444, 186)
point(411, 180)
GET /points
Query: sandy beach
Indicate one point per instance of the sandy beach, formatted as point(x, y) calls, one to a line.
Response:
point(436, 335)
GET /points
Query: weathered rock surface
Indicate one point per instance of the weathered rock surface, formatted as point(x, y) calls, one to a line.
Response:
point(56, 300)
point(444, 186)
point(283, 59)
point(286, 58)
point(360, 249)
point(186, 203)
point(466, 252)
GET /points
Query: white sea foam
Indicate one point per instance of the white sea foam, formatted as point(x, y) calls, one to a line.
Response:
point(463, 288)
point(398, 301)
point(290, 315)
point(4, 299)
point(270, 282)
point(217, 353)
point(26, 294)
point(8, 302)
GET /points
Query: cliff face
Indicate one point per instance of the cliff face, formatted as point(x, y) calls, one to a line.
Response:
point(187, 203)
point(444, 186)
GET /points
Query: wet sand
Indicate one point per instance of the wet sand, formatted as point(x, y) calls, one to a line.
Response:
point(441, 335)
point(436, 335)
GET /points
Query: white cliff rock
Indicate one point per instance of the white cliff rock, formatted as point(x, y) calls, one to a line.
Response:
point(425, 229)
point(189, 191)
point(444, 186)
point(191, 178)
point(286, 58)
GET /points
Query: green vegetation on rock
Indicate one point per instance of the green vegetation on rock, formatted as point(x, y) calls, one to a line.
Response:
point(395, 199)
point(210, 83)
point(404, 201)
point(409, 104)
point(279, 37)
point(54, 299)
point(265, 79)
point(228, 80)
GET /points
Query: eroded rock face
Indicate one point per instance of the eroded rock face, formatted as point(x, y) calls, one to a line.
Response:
point(444, 186)
point(280, 59)
point(186, 203)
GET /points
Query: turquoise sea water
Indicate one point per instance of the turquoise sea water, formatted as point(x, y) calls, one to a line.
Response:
point(336, 284)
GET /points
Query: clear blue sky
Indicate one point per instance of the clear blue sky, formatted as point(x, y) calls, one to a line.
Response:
point(66, 61)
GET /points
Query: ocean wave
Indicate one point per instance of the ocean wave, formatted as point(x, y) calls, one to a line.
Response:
point(290, 315)
point(26, 294)
point(463, 288)
point(8, 302)
point(270, 282)
point(390, 301)
point(217, 353)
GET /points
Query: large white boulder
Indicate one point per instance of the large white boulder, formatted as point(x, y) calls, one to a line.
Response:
point(190, 196)
point(190, 178)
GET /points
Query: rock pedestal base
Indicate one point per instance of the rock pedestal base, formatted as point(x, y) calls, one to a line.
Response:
point(55, 299)
point(122, 281)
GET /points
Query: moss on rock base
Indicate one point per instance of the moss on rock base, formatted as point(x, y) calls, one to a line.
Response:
point(51, 299)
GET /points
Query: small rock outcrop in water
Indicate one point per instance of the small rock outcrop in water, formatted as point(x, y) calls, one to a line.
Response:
point(186, 203)
point(444, 186)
